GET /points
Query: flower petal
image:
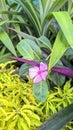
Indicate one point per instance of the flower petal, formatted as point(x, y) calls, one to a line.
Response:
point(44, 75)
point(33, 72)
point(43, 66)
point(37, 79)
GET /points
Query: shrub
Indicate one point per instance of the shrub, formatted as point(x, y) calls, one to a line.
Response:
point(18, 108)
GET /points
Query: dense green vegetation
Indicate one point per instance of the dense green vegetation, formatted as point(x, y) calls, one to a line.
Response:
point(38, 33)
point(18, 107)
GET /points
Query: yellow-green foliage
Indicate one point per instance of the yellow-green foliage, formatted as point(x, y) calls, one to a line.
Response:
point(58, 99)
point(18, 108)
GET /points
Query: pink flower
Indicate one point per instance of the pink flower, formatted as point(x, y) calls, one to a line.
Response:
point(38, 73)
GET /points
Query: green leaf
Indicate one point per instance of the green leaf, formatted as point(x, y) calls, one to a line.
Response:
point(69, 53)
point(58, 49)
point(41, 91)
point(57, 79)
point(12, 125)
point(28, 49)
point(26, 118)
point(32, 14)
point(51, 7)
point(3, 22)
point(57, 121)
point(7, 42)
point(44, 42)
point(24, 69)
point(44, 8)
point(41, 10)
point(35, 48)
point(22, 124)
point(57, 4)
point(25, 50)
point(3, 55)
point(7, 103)
point(66, 25)
point(47, 6)
point(24, 35)
point(3, 6)
point(12, 114)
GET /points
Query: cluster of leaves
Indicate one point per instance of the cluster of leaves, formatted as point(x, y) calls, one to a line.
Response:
point(36, 31)
point(40, 45)
point(51, 34)
point(57, 100)
point(18, 108)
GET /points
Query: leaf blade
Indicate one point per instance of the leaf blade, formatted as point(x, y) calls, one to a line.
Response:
point(7, 42)
point(58, 50)
point(41, 91)
point(58, 120)
point(23, 48)
point(65, 24)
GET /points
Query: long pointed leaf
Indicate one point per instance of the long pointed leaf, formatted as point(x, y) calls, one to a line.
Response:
point(58, 50)
point(24, 35)
point(57, 5)
point(3, 7)
point(32, 14)
point(66, 25)
point(7, 42)
point(57, 121)
point(41, 10)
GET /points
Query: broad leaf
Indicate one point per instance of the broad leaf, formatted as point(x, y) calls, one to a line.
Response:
point(24, 69)
point(25, 50)
point(57, 121)
point(41, 91)
point(44, 42)
point(69, 53)
point(28, 49)
point(57, 79)
point(35, 48)
point(58, 50)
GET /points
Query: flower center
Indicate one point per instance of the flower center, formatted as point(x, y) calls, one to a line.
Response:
point(39, 72)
